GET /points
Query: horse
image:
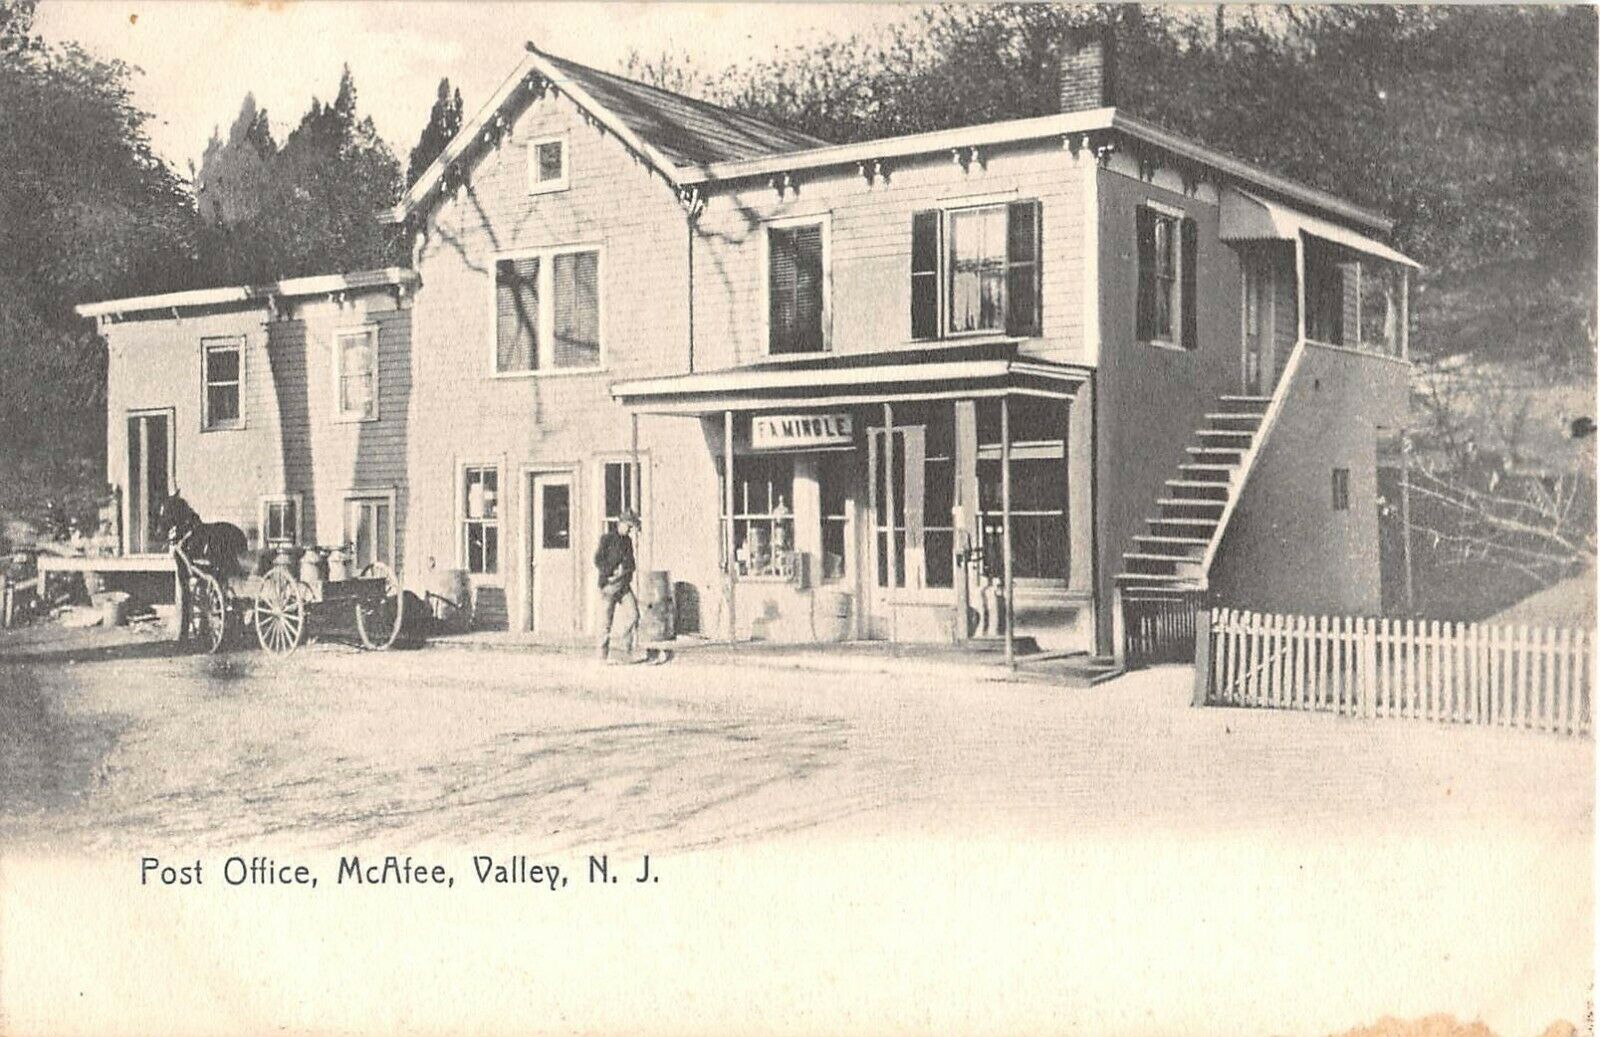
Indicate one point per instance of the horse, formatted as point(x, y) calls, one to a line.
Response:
point(220, 547)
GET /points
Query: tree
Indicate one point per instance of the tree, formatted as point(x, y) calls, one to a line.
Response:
point(444, 122)
point(233, 172)
point(313, 203)
point(87, 211)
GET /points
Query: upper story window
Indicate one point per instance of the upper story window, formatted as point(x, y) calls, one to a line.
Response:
point(223, 400)
point(547, 165)
point(547, 312)
point(976, 269)
point(797, 287)
point(355, 372)
point(1168, 253)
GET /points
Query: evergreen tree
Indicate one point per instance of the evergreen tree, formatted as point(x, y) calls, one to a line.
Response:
point(444, 122)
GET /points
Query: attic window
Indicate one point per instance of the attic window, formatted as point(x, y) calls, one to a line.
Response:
point(547, 165)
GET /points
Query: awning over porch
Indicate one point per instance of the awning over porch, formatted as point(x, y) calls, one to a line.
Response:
point(926, 373)
point(1247, 217)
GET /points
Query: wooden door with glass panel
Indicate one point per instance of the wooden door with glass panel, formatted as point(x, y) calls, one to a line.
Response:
point(911, 491)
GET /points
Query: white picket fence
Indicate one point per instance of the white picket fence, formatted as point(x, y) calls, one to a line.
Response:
point(1468, 673)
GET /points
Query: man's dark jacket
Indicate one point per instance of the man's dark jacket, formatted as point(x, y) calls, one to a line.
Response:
point(614, 553)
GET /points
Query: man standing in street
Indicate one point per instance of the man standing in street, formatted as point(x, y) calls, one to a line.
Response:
point(613, 560)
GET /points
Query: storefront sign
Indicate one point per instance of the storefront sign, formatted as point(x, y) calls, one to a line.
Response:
point(800, 431)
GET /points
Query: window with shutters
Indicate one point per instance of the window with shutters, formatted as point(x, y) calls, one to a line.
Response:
point(222, 401)
point(797, 286)
point(1167, 256)
point(976, 270)
point(547, 165)
point(547, 312)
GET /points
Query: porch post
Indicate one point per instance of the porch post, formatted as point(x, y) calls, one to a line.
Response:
point(888, 511)
point(1005, 525)
point(1405, 313)
point(727, 526)
point(1300, 279)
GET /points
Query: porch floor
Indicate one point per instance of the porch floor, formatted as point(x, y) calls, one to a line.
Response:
point(982, 661)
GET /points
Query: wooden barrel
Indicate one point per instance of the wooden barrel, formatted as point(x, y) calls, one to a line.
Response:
point(833, 615)
point(656, 614)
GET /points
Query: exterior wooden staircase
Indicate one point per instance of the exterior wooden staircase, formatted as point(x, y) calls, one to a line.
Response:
point(1170, 560)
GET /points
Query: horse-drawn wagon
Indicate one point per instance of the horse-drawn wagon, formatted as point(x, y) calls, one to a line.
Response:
point(282, 607)
point(229, 586)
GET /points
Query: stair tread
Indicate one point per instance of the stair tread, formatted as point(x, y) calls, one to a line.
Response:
point(1145, 556)
point(1197, 482)
point(1215, 450)
point(1185, 521)
point(1200, 466)
point(1233, 416)
point(1224, 432)
point(1191, 502)
point(1245, 399)
point(1147, 538)
point(1160, 578)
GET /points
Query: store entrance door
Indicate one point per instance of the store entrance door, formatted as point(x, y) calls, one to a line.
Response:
point(896, 561)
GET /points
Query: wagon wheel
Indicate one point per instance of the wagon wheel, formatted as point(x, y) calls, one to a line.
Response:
point(280, 613)
point(379, 622)
point(209, 618)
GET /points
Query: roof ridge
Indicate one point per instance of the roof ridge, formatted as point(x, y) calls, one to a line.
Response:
point(697, 101)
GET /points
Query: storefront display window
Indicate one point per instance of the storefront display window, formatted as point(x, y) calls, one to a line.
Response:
point(836, 473)
point(763, 516)
point(1040, 540)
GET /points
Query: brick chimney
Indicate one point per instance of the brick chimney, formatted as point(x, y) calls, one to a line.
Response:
point(1088, 69)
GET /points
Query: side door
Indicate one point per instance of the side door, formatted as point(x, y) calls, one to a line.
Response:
point(552, 557)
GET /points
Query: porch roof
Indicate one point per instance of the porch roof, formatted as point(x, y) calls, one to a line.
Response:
point(993, 368)
point(1248, 217)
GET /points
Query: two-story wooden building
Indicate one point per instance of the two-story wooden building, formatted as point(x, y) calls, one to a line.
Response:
point(868, 390)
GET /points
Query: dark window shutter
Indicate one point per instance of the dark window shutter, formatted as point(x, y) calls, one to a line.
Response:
point(925, 274)
point(1189, 254)
point(794, 289)
point(517, 314)
point(1023, 227)
point(1145, 309)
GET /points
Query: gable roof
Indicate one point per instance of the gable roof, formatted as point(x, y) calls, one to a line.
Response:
point(691, 143)
point(688, 131)
point(667, 130)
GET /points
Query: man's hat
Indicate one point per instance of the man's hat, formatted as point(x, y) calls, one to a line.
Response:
point(630, 517)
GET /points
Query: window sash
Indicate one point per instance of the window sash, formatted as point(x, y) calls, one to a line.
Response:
point(763, 516)
point(279, 526)
point(358, 381)
point(976, 270)
point(619, 479)
point(576, 338)
point(548, 312)
point(222, 390)
point(481, 519)
point(796, 287)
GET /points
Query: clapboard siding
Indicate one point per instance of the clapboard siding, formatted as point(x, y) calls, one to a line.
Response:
point(461, 413)
point(870, 249)
point(292, 441)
